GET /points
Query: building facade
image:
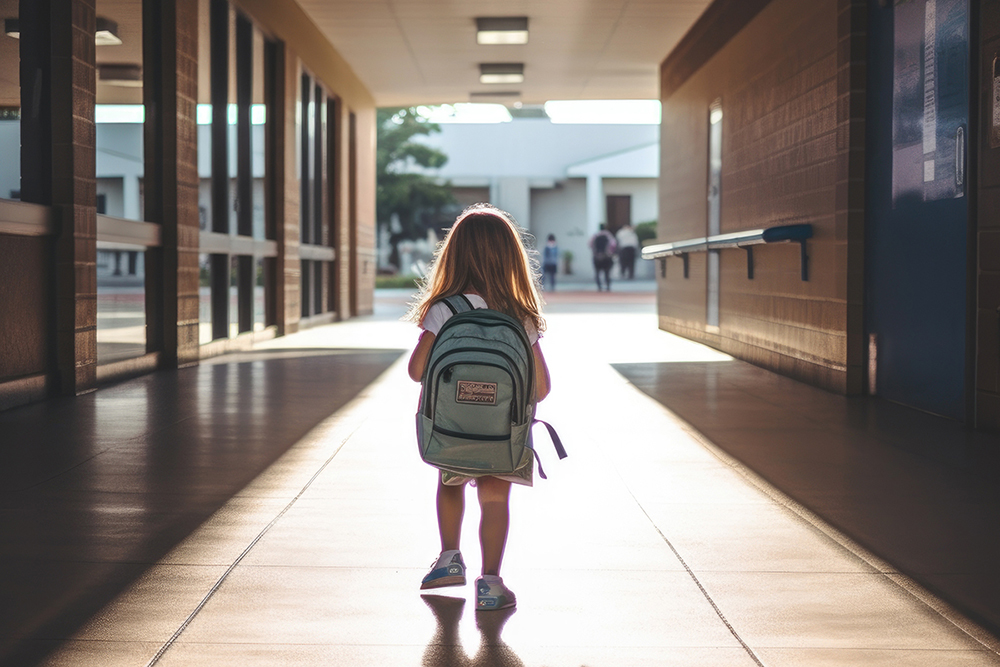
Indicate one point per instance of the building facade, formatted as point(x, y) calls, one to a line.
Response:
point(192, 175)
point(870, 122)
point(560, 179)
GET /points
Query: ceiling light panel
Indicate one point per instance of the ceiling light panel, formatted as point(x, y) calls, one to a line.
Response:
point(502, 30)
point(107, 33)
point(503, 73)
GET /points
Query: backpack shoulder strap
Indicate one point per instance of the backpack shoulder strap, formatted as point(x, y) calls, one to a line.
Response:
point(457, 303)
point(556, 442)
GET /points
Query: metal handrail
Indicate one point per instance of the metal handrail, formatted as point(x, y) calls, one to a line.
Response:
point(745, 239)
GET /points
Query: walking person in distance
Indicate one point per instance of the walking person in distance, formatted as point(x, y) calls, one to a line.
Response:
point(550, 263)
point(602, 247)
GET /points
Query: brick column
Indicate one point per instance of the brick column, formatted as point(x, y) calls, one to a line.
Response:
point(73, 88)
point(364, 218)
point(170, 56)
point(289, 270)
point(342, 212)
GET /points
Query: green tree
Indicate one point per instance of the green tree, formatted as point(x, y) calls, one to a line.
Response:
point(416, 200)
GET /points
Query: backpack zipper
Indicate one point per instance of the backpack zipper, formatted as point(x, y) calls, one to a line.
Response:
point(467, 436)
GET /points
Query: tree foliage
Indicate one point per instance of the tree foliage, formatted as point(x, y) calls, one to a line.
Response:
point(414, 197)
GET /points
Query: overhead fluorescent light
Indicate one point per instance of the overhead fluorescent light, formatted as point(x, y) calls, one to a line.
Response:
point(501, 73)
point(466, 113)
point(107, 33)
point(504, 97)
point(502, 30)
point(615, 112)
point(126, 75)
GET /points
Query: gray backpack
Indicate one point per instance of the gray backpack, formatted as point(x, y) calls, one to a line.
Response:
point(477, 400)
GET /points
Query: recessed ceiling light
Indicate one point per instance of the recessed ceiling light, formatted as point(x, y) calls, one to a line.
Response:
point(505, 97)
point(126, 75)
point(107, 33)
point(502, 30)
point(501, 73)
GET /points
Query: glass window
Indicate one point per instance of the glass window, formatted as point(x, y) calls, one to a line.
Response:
point(259, 314)
point(234, 297)
point(10, 113)
point(307, 163)
point(306, 286)
point(121, 302)
point(258, 120)
point(204, 299)
point(714, 208)
point(119, 117)
point(204, 117)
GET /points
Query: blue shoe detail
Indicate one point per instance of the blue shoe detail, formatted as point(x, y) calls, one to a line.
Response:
point(451, 573)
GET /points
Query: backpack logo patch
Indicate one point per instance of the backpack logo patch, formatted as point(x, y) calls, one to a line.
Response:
point(476, 393)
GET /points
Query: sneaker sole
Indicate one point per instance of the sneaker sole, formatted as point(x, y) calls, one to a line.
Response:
point(441, 582)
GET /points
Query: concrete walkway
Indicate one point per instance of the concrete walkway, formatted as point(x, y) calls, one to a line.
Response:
point(647, 546)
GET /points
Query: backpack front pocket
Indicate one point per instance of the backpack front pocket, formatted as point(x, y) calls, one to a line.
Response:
point(474, 400)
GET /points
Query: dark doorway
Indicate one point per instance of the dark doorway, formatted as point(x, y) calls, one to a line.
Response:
point(619, 211)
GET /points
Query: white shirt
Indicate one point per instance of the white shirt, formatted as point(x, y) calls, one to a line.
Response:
point(439, 314)
point(627, 238)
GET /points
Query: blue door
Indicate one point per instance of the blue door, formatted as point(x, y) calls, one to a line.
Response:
point(917, 230)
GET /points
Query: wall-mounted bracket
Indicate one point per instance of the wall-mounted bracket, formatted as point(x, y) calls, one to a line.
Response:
point(749, 250)
point(687, 266)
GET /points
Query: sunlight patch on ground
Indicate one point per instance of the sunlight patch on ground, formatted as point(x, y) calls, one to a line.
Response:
point(622, 338)
point(362, 333)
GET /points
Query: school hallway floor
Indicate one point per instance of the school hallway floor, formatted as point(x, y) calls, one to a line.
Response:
point(269, 508)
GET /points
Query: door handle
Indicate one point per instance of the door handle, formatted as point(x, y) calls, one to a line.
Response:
point(960, 158)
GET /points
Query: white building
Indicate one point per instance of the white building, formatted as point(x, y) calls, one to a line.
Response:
point(562, 179)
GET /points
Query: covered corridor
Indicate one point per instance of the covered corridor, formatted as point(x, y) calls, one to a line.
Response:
point(269, 507)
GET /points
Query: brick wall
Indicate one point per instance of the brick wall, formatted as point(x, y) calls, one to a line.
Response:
point(792, 93)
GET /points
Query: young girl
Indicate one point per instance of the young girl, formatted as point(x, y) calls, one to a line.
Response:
point(483, 257)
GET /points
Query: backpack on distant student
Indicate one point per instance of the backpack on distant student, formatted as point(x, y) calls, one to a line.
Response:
point(477, 398)
point(601, 243)
point(601, 246)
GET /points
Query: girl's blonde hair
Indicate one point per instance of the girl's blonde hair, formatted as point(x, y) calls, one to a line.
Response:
point(484, 252)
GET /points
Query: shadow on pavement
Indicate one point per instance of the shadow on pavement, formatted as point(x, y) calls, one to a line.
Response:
point(445, 648)
point(97, 488)
point(917, 490)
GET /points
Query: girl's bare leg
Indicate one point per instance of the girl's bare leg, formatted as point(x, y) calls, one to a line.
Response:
point(450, 509)
point(494, 497)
